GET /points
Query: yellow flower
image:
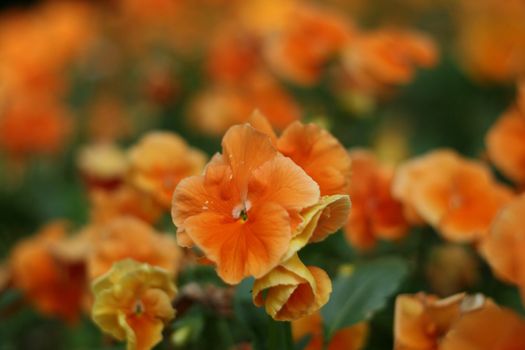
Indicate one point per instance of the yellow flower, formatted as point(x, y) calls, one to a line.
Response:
point(292, 290)
point(133, 302)
point(319, 221)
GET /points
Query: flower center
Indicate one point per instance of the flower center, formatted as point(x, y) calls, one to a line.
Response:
point(138, 308)
point(240, 211)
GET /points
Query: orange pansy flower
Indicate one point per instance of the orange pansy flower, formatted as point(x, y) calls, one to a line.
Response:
point(125, 200)
point(309, 38)
point(375, 213)
point(53, 285)
point(459, 322)
point(221, 106)
point(315, 150)
point(504, 246)
point(159, 161)
point(39, 127)
point(241, 212)
point(458, 197)
point(350, 338)
point(292, 290)
point(377, 60)
point(506, 144)
point(128, 237)
point(133, 303)
point(233, 55)
point(491, 38)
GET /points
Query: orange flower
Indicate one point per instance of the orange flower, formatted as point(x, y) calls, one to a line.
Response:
point(123, 201)
point(456, 323)
point(350, 338)
point(456, 196)
point(241, 212)
point(233, 55)
point(379, 59)
point(503, 247)
point(53, 285)
point(218, 108)
point(506, 144)
point(488, 328)
point(128, 237)
point(491, 38)
point(309, 39)
point(159, 161)
point(315, 150)
point(133, 302)
point(375, 213)
point(292, 290)
point(39, 127)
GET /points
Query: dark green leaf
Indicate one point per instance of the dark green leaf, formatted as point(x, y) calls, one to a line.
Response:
point(357, 297)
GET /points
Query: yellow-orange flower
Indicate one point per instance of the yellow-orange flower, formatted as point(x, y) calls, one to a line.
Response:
point(458, 197)
point(506, 144)
point(375, 213)
point(128, 237)
point(503, 247)
point(242, 211)
point(103, 165)
point(133, 303)
point(292, 290)
point(54, 286)
point(349, 338)
point(309, 38)
point(159, 161)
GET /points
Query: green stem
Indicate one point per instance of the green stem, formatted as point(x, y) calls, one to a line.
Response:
point(280, 335)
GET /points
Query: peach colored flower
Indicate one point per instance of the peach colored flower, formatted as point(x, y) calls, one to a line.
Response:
point(375, 213)
point(456, 196)
point(242, 211)
point(54, 286)
point(310, 37)
point(128, 237)
point(159, 161)
point(133, 303)
point(350, 338)
point(506, 144)
point(503, 246)
point(292, 290)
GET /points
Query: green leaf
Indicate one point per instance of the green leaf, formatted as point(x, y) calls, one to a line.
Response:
point(358, 296)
